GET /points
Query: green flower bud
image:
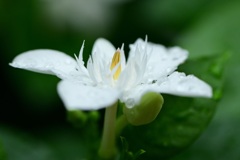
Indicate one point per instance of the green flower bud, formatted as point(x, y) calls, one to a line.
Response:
point(146, 111)
point(78, 118)
point(94, 115)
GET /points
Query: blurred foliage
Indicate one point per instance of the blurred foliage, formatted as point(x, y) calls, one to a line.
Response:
point(55, 143)
point(32, 117)
point(2, 153)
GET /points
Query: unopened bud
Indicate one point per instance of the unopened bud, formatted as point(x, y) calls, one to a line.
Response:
point(78, 118)
point(146, 111)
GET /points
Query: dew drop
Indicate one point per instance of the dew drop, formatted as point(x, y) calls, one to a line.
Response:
point(48, 66)
point(162, 83)
point(168, 70)
point(181, 76)
point(31, 65)
point(130, 102)
point(191, 77)
point(149, 80)
point(154, 81)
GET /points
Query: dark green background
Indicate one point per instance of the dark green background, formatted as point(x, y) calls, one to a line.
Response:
point(33, 118)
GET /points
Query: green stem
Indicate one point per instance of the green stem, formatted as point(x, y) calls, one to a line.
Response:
point(107, 148)
point(122, 122)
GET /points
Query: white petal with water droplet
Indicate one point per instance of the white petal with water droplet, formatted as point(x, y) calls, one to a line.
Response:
point(182, 85)
point(161, 61)
point(133, 96)
point(76, 96)
point(46, 61)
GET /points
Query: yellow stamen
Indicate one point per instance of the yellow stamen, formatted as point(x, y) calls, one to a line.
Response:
point(115, 60)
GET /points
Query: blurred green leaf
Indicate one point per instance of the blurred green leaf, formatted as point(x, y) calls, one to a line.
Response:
point(182, 119)
point(3, 155)
point(55, 143)
point(215, 31)
point(21, 146)
point(219, 142)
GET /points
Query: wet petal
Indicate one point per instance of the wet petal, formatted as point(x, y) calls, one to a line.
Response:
point(176, 84)
point(182, 85)
point(161, 61)
point(104, 48)
point(133, 96)
point(77, 96)
point(46, 61)
point(102, 55)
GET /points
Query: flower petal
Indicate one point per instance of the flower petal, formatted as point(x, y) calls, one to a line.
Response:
point(182, 85)
point(161, 61)
point(104, 48)
point(100, 61)
point(176, 84)
point(133, 96)
point(46, 61)
point(77, 96)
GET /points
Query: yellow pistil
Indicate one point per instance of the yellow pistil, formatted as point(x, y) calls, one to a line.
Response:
point(115, 60)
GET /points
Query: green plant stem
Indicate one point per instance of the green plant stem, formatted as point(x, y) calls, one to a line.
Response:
point(122, 122)
point(107, 148)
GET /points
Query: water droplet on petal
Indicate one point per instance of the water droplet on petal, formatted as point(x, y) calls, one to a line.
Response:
point(31, 65)
point(168, 70)
point(149, 80)
point(48, 66)
point(191, 77)
point(130, 103)
point(181, 76)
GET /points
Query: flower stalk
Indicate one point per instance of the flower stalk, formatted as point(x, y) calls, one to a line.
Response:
point(121, 123)
point(107, 148)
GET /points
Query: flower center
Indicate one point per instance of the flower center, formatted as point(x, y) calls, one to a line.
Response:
point(115, 61)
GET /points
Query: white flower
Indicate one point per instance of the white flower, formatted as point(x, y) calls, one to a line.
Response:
point(108, 77)
point(81, 15)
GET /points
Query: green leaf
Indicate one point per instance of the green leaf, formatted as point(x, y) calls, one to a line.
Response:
point(19, 145)
point(3, 155)
point(53, 143)
point(181, 119)
point(214, 31)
